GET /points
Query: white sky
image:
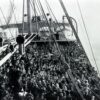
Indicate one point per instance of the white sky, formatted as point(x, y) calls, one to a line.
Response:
point(91, 13)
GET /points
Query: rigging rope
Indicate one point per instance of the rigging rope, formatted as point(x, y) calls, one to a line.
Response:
point(57, 23)
point(13, 11)
point(75, 33)
point(5, 20)
point(23, 16)
point(31, 3)
point(10, 13)
point(67, 15)
point(89, 44)
point(35, 14)
point(63, 58)
point(12, 4)
point(52, 34)
point(50, 10)
point(38, 9)
point(34, 6)
point(88, 37)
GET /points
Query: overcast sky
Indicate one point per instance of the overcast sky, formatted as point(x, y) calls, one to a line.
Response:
point(91, 14)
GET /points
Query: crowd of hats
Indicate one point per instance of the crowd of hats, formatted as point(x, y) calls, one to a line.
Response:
point(41, 75)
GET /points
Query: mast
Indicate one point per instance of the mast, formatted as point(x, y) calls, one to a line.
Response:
point(28, 17)
point(69, 71)
point(71, 24)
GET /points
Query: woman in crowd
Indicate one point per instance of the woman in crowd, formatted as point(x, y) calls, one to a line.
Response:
point(41, 75)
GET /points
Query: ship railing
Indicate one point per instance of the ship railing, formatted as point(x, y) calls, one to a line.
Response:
point(3, 48)
point(9, 55)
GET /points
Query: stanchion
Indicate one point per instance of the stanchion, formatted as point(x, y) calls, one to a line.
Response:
point(1, 42)
point(20, 41)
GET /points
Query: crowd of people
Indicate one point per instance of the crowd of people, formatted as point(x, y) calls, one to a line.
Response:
point(40, 74)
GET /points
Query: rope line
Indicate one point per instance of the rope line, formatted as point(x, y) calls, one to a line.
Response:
point(88, 37)
point(5, 20)
point(63, 59)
